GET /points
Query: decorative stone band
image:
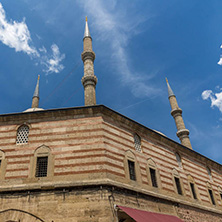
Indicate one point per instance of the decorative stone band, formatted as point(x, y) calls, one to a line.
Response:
point(88, 55)
point(176, 112)
point(183, 133)
point(89, 80)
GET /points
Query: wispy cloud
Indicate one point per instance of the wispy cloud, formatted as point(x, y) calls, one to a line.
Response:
point(215, 98)
point(16, 35)
point(53, 64)
point(117, 30)
point(220, 61)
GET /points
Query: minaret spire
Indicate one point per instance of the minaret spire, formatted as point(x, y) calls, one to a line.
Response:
point(176, 112)
point(87, 33)
point(89, 80)
point(35, 98)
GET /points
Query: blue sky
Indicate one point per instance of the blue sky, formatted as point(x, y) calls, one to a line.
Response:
point(137, 44)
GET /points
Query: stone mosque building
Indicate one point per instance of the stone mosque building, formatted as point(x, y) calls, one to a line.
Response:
point(92, 164)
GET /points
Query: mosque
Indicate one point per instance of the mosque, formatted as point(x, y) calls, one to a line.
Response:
point(92, 164)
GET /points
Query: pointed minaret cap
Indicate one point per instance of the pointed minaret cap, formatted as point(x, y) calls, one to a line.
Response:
point(170, 91)
point(35, 99)
point(86, 33)
point(36, 93)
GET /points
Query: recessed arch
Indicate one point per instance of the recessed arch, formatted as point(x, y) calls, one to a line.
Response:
point(16, 214)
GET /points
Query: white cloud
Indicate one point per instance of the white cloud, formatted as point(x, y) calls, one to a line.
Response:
point(52, 62)
point(116, 30)
point(215, 98)
point(15, 35)
point(220, 61)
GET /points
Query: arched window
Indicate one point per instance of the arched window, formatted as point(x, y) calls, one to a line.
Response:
point(22, 134)
point(179, 160)
point(132, 168)
point(177, 182)
point(43, 165)
point(211, 194)
point(193, 188)
point(209, 173)
point(2, 165)
point(153, 174)
point(137, 143)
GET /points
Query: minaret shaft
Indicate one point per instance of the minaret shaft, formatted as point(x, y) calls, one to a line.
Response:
point(176, 112)
point(35, 102)
point(35, 98)
point(89, 80)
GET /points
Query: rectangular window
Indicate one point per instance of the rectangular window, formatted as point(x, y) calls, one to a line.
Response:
point(0, 163)
point(221, 196)
point(177, 182)
point(41, 167)
point(211, 196)
point(132, 172)
point(153, 177)
point(193, 190)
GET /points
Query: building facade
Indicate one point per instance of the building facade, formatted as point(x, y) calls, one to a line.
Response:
point(92, 164)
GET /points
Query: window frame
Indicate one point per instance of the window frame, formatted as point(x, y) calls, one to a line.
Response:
point(39, 164)
point(132, 170)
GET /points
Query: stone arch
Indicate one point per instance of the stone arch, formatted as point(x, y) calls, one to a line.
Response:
point(42, 150)
point(16, 215)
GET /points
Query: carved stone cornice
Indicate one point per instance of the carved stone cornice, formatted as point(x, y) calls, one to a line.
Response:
point(89, 80)
point(88, 55)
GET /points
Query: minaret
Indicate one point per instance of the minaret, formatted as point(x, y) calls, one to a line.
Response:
point(89, 80)
point(176, 112)
point(35, 98)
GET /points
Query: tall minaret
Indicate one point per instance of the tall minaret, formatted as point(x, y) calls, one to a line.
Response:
point(176, 112)
point(35, 98)
point(89, 80)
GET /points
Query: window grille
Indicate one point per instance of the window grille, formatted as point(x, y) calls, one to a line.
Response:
point(22, 134)
point(137, 143)
point(193, 190)
point(153, 177)
point(209, 173)
point(41, 167)
point(179, 160)
point(178, 185)
point(211, 196)
point(132, 173)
